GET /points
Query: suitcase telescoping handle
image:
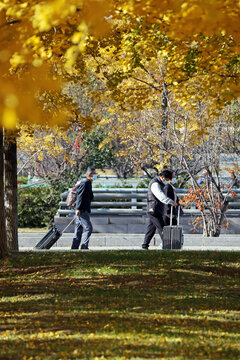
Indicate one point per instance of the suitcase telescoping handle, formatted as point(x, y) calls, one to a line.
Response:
point(178, 216)
point(69, 224)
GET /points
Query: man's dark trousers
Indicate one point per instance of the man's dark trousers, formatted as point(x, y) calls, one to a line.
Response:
point(153, 223)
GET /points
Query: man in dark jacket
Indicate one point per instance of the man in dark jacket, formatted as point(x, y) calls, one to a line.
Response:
point(155, 206)
point(170, 191)
point(83, 225)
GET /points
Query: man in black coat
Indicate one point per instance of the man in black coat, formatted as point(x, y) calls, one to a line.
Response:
point(170, 191)
point(155, 206)
point(83, 225)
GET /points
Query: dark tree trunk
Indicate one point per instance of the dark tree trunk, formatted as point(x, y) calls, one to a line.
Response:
point(165, 118)
point(3, 237)
point(11, 210)
point(164, 107)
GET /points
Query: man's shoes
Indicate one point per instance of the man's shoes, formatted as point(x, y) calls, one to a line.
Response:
point(144, 247)
point(84, 248)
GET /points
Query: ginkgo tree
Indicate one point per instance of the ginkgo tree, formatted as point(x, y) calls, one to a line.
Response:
point(158, 70)
point(28, 73)
point(45, 42)
point(192, 141)
point(166, 84)
point(210, 194)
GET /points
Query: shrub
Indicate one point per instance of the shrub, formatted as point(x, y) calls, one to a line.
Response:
point(36, 207)
point(144, 183)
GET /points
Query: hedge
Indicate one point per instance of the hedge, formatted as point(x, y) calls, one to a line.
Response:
point(36, 207)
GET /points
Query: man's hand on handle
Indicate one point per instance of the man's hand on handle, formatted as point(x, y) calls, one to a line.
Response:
point(77, 212)
point(174, 204)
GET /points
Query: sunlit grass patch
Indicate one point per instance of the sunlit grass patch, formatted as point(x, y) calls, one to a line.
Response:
point(25, 298)
point(120, 305)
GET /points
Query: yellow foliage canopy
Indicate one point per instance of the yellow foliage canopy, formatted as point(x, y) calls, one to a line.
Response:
point(34, 47)
point(42, 39)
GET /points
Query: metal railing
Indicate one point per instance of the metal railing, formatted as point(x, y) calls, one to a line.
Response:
point(132, 201)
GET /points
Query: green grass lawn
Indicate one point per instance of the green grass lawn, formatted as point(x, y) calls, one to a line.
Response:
point(120, 305)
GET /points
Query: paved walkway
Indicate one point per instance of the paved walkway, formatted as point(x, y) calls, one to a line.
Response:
point(27, 241)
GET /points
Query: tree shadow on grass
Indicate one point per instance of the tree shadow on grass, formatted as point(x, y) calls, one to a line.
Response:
point(85, 306)
point(167, 340)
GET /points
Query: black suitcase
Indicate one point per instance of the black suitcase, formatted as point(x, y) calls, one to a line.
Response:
point(51, 237)
point(173, 235)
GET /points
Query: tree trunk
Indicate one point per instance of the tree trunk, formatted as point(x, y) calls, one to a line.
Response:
point(164, 107)
point(212, 223)
point(11, 210)
point(165, 118)
point(205, 224)
point(3, 237)
point(213, 229)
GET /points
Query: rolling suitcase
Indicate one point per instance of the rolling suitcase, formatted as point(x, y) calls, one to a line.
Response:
point(51, 237)
point(173, 235)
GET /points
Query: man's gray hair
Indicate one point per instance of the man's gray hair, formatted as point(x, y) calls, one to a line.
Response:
point(90, 170)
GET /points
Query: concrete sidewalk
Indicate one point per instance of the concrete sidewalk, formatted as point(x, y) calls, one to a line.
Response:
point(27, 241)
